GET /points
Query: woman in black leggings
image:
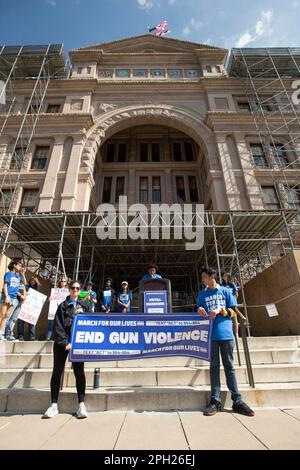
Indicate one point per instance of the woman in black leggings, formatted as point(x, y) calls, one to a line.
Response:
point(61, 334)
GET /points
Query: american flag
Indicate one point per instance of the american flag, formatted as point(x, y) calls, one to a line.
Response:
point(160, 29)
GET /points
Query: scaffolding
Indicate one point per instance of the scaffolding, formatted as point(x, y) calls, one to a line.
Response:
point(67, 243)
point(32, 67)
point(269, 76)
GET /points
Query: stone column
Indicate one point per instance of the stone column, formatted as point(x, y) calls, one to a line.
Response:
point(131, 187)
point(68, 197)
point(253, 187)
point(48, 191)
point(232, 192)
point(169, 187)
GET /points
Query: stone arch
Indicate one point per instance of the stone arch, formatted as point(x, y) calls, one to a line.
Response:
point(119, 119)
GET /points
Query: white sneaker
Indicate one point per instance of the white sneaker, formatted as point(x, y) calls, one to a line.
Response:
point(51, 411)
point(82, 411)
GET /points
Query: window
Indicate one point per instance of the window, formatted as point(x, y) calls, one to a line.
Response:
point(143, 152)
point(183, 151)
point(259, 156)
point(280, 157)
point(120, 187)
point(244, 107)
point(193, 189)
point(53, 108)
point(189, 154)
point(221, 103)
point(88, 70)
point(180, 189)
point(17, 159)
point(76, 105)
point(144, 189)
point(5, 200)
point(110, 153)
point(122, 153)
point(270, 198)
point(293, 198)
point(177, 152)
point(155, 152)
point(218, 69)
point(156, 191)
point(208, 69)
point(149, 152)
point(79, 70)
point(107, 184)
point(29, 201)
point(40, 158)
point(34, 108)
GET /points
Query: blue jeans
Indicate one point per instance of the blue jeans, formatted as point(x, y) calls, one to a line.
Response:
point(13, 317)
point(49, 330)
point(226, 349)
point(31, 329)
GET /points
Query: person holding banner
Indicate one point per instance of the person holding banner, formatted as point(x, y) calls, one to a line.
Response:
point(152, 272)
point(108, 297)
point(9, 296)
point(62, 284)
point(62, 327)
point(211, 301)
point(33, 283)
point(124, 299)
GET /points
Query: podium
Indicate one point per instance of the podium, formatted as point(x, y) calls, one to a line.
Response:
point(155, 296)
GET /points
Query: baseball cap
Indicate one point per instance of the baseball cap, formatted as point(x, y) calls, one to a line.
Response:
point(124, 282)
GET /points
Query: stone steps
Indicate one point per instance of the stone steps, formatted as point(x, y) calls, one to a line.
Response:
point(147, 398)
point(45, 360)
point(148, 384)
point(151, 376)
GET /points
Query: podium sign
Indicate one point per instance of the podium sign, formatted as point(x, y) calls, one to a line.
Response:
point(155, 302)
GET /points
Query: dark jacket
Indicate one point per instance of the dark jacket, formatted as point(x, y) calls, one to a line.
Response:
point(63, 321)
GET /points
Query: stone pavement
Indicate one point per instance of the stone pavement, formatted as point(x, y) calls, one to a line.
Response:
point(270, 429)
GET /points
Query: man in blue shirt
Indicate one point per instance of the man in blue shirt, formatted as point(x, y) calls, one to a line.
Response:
point(210, 301)
point(152, 269)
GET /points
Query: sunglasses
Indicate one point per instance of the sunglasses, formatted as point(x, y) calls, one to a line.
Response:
point(75, 288)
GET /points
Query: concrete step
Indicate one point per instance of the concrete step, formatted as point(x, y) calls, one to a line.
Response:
point(45, 360)
point(151, 376)
point(45, 347)
point(147, 398)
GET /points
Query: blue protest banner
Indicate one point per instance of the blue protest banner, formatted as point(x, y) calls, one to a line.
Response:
point(155, 302)
point(119, 337)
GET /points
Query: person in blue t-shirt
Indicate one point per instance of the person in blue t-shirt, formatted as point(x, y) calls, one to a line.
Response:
point(152, 272)
point(227, 282)
point(9, 296)
point(210, 301)
point(124, 299)
point(108, 297)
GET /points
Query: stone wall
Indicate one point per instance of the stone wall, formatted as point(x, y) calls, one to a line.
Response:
point(278, 282)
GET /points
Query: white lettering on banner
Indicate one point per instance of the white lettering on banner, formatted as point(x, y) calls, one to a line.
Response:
point(32, 307)
point(89, 337)
point(162, 337)
point(124, 337)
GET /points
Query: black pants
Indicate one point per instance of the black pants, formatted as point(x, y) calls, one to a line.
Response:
point(59, 357)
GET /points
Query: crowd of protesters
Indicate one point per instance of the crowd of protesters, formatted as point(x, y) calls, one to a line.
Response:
point(212, 299)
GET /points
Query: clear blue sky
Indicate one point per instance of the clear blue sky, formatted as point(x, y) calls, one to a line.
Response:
point(224, 23)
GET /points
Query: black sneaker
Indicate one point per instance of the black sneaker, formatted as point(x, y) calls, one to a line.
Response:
point(21, 338)
point(243, 409)
point(212, 408)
